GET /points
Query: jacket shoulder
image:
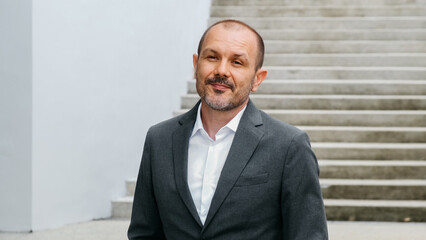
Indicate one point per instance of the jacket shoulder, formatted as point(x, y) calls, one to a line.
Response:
point(166, 124)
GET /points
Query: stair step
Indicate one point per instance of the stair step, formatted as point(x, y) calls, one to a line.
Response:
point(332, 23)
point(342, 169)
point(395, 189)
point(315, 2)
point(122, 208)
point(366, 47)
point(366, 134)
point(351, 118)
point(336, 209)
point(343, 34)
point(370, 169)
point(316, 11)
point(370, 151)
point(375, 210)
point(358, 87)
point(329, 182)
point(346, 118)
point(347, 60)
point(358, 169)
point(336, 102)
point(351, 73)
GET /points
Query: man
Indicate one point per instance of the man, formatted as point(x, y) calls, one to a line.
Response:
point(226, 170)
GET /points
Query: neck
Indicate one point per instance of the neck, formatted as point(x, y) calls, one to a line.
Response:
point(214, 120)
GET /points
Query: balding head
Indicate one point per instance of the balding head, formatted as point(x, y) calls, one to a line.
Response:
point(237, 26)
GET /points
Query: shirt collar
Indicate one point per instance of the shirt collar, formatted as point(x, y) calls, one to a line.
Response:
point(232, 125)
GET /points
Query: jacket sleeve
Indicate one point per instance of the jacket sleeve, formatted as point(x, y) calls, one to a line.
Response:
point(302, 206)
point(145, 223)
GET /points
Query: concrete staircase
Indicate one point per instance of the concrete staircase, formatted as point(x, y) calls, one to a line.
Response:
point(352, 74)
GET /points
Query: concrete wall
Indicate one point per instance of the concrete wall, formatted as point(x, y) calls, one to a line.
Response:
point(103, 72)
point(15, 115)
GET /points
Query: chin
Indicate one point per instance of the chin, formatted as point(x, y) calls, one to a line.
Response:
point(218, 105)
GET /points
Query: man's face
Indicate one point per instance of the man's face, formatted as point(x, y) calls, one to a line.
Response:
point(225, 70)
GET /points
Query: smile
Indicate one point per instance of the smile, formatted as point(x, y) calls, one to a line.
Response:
point(220, 87)
point(220, 84)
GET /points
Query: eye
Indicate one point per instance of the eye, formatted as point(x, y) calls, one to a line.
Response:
point(211, 57)
point(238, 62)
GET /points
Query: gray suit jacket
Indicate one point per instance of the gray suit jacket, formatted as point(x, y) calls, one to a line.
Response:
point(268, 188)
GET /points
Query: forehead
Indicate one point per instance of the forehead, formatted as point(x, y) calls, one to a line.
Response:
point(230, 38)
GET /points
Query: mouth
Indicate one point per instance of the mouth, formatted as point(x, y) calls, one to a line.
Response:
point(220, 87)
point(219, 84)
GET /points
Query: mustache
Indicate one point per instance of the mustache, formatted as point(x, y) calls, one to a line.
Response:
point(221, 80)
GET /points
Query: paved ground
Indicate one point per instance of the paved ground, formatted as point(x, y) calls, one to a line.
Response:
point(116, 230)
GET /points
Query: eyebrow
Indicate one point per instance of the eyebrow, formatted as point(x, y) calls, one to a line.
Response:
point(207, 50)
point(241, 55)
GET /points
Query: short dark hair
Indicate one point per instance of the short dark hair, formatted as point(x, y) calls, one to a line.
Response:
point(230, 22)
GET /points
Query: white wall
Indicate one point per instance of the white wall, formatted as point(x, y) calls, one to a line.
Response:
point(103, 72)
point(15, 115)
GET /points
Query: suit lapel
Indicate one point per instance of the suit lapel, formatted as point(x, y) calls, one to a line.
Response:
point(180, 141)
point(245, 142)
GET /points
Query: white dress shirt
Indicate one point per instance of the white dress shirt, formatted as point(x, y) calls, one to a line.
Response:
point(206, 158)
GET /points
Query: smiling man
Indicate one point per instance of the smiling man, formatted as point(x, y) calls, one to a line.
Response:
point(226, 170)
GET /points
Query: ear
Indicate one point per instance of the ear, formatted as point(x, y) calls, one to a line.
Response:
point(258, 79)
point(195, 62)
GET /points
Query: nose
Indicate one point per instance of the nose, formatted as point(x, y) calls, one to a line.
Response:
point(222, 68)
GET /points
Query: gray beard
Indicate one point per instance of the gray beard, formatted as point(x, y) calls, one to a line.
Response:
point(225, 106)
